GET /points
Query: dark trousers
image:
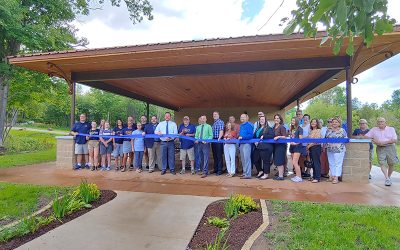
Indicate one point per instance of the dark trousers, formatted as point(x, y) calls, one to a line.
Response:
point(262, 159)
point(204, 153)
point(217, 150)
point(315, 154)
point(168, 155)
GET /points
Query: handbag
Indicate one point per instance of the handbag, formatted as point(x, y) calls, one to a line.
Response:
point(308, 164)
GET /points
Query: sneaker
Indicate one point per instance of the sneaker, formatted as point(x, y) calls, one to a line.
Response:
point(77, 167)
point(162, 172)
point(193, 172)
point(87, 166)
point(388, 182)
point(369, 176)
point(279, 178)
point(108, 168)
point(182, 171)
point(173, 172)
point(296, 179)
point(103, 168)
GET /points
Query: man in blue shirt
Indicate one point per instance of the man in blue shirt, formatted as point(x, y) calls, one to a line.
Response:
point(245, 133)
point(152, 145)
point(187, 146)
point(81, 147)
point(167, 127)
point(217, 148)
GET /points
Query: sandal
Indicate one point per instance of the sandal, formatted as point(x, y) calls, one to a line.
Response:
point(116, 168)
point(315, 181)
point(123, 169)
point(335, 181)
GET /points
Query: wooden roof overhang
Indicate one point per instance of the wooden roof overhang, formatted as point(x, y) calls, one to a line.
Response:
point(268, 70)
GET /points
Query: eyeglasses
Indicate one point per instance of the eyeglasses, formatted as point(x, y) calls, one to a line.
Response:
point(329, 121)
point(260, 114)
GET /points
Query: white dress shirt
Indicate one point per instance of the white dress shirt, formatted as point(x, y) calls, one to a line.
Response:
point(162, 127)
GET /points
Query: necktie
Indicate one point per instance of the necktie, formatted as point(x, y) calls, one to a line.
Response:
point(201, 131)
point(167, 132)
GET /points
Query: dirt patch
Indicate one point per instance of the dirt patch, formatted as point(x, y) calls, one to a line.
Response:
point(106, 196)
point(239, 231)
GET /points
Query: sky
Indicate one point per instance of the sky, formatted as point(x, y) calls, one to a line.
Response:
point(177, 20)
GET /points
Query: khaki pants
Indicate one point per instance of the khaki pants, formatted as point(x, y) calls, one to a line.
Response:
point(154, 156)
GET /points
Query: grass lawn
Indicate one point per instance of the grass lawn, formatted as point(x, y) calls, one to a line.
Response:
point(304, 225)
point(375, 161)
point(28, 147)
point(45, 127)
point(19, 200)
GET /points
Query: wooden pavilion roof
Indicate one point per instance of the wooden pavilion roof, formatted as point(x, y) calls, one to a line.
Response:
point(267, 70)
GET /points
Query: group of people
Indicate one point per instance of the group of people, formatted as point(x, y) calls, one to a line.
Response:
point(99, 143)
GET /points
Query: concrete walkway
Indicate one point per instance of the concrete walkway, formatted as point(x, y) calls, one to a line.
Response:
point(374, 193)
point(130, 221)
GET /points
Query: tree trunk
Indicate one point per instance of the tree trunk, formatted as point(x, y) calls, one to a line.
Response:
point(3, 107)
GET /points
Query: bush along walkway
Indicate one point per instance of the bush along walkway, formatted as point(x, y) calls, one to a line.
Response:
point(227, 224)
point(65, 207)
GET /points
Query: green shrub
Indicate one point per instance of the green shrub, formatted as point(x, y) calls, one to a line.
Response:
point(239, 204)
point(217, 244)
point(60, 206)
point(28, 141)
point(27, 225)
point(66, 205)
point(218, 222)
point(87, 192)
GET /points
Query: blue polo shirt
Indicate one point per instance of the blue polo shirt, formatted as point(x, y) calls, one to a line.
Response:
point(190, 129)
point(128, 131)
point(246, 131)
point(358, 132)
point(118, 132)
point(149, 129)
point(82, 128)
point(94, 132)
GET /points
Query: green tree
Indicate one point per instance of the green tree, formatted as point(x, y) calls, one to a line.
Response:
point(45, 25)
point(342, 19)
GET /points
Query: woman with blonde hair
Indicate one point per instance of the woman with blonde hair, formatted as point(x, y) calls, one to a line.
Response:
point(336, 151)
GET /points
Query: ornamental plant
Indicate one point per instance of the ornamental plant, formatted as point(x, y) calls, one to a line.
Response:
point(238, 204)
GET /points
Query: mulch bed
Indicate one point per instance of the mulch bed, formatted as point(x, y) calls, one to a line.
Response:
point(239, 231)
point(106, 196)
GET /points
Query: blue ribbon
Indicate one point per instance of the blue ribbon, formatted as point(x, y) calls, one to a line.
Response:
point(287, 140)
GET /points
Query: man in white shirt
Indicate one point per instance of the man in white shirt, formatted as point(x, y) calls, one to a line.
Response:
point(167, 127)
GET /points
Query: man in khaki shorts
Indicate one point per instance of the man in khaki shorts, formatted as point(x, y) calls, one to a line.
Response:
point(81, 146)
point(385, 138)
point(187, 146)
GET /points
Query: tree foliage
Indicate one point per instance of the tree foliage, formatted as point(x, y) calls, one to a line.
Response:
point(341, 19)
point(333, 102)
point(29, 26)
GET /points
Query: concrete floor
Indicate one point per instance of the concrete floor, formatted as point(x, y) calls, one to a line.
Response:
point(374, 193)
point(130, 221)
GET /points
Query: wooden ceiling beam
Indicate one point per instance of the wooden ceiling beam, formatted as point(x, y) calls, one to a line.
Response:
point(319, 63)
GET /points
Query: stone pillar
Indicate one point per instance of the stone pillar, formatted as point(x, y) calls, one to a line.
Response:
point(356, 161)
point(65, 152)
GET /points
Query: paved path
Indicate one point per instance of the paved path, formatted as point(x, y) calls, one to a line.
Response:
point(130, 221)
point(374, 193)
point(41, 130)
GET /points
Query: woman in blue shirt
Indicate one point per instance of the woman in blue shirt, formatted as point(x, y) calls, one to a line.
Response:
point(106, 147)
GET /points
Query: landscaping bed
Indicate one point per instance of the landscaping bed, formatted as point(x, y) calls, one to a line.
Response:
point(45, 221)
point(239, 230)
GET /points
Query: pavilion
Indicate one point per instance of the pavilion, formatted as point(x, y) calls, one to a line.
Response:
point(266, 72)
